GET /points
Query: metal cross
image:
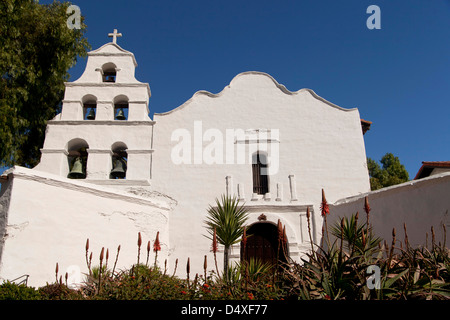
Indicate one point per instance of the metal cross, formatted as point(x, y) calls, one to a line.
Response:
point(114, 35)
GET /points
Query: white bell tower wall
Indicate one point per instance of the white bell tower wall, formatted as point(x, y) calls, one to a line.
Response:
point(119, 116)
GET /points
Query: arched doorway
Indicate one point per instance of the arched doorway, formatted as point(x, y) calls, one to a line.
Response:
point(263, 244)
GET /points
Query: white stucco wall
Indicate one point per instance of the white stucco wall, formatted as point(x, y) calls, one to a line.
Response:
point(50, 218)
point(420, 204)
point(320, 146)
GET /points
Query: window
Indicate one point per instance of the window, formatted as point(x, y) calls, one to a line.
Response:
point(260, 178)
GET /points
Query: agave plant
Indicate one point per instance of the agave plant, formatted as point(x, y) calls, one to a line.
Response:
point(228, 219)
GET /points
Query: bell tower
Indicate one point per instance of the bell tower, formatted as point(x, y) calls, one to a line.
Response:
point(103, 134)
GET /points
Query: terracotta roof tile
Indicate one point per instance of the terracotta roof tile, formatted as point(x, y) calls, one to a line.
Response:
point(428, 166)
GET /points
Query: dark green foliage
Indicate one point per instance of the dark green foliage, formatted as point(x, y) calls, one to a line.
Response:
point(12, 291)
point(58, 291)
point(391, 173)
point(37, 50)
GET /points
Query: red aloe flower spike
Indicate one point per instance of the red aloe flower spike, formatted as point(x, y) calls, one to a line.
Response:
point(214, 249)
point(139, 240)
point(366, 205)
point(188, 266)
point(56, 272)
point(244, 237)
point(214, 244)
point(156, 245)
point(107, 257)
point(148, 252)
point(325, 209)
point(280, 230)
point(367, 210)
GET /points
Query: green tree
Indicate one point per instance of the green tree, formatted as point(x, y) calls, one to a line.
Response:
point(228, 218)
point(390, 173)
point(37, 50)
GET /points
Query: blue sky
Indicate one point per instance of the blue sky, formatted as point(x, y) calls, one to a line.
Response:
point(398, 76)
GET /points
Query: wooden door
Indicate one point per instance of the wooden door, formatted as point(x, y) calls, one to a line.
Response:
point(262, 244)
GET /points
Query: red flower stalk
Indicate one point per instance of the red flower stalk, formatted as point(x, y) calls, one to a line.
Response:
point(244, 237)
point(280, 230)
point(214, 244)
point(214, 250)
point(366, 205)
point(324, 208)
point(367, 210)
point(139, 240)
point(188, 267)
point(284, 236)
point(156, 245)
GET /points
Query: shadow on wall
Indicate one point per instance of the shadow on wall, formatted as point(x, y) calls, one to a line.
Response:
point(5, 196)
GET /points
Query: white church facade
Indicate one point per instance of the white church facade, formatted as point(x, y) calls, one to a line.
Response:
point(109, 171)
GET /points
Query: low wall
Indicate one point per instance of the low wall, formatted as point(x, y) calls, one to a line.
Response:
point(420, 204)
point(48, 220)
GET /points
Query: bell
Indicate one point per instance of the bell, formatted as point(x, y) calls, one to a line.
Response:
point(91, 115)
point(119, 168)
point(77, 170)
point(120, 115)
point(110, 78)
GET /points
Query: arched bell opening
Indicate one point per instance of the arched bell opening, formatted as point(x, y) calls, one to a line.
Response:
point(89, 107)
point(119, 160)
point(121, 108)
point(109, 72)
point(265, 243)
point(77, 157)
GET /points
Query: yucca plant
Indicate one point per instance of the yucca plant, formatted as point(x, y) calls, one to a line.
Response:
point(228, 219)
